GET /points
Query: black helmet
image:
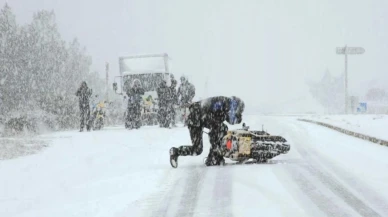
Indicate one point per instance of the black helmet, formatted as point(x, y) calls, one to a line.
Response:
point(236, 108)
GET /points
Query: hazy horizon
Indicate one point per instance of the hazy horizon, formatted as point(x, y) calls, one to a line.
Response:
point(263, 52)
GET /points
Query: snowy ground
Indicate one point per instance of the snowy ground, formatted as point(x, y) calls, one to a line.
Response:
point(15, 147)
point(371, 125)
point(116, 172)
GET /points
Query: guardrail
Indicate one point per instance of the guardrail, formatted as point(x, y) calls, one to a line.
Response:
point(350, 133)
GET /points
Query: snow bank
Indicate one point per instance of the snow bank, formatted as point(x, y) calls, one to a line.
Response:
point(15, 147)
point(95, 173)
point(370, 125)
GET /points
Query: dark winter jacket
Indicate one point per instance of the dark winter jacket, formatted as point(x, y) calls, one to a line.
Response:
point(186, 92)
point(212, 111)
point(173, 95)
point(84, 94)
point(163, 92)
point(135, 96)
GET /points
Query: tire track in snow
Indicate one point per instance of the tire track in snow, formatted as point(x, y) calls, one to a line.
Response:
point(342, 192)
point(358, 185)
point(322, 201)
point(308, 188)
point(222, 192)
point(192, 187)
point(334, 185)
point(164, 198)
point(156, 204)
point(175, 184)
point(337, 188)
point(178, 194)
point(181, 195)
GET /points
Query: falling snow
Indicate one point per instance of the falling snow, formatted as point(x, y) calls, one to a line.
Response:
point(75, 143)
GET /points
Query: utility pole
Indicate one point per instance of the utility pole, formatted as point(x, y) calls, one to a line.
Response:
point(346, 82)
point(206, 87)
point(345, 51)
point(107, 79)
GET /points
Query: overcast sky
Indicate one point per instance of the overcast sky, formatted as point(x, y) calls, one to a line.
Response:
point(263, 51)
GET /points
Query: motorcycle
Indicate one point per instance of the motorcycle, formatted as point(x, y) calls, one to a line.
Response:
point(244, 144)
point(99, 116)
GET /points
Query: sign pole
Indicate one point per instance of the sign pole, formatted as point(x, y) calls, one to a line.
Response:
point(107, 78)
point(346, 83)
point(345, 51)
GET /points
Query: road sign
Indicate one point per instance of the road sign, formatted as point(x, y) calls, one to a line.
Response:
point(350, 50)
point(362, 108)
point(345, 51)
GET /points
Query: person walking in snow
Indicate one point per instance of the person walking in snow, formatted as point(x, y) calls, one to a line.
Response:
point(163, 92)
point(209, 113)
point(135, 93)
point(173, 99)
point(84, 94)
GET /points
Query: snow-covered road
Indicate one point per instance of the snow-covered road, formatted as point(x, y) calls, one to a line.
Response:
point(116, 172)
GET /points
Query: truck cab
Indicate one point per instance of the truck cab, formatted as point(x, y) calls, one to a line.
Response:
point(150, 70)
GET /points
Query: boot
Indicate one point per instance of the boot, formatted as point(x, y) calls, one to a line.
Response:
point(214, 158)
point(174, 157)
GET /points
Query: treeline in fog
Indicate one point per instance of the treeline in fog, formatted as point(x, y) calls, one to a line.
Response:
point(39, 74)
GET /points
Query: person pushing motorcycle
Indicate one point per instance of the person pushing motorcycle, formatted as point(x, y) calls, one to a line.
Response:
point(209, 113)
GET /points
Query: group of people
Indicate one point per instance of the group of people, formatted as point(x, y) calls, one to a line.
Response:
point(170, 97)
point(208, 113)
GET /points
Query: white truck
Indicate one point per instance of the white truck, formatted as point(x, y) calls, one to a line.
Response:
point(150, 69)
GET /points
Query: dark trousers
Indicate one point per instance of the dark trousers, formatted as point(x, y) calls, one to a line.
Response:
point(217, 132)
point(172, 113)
point(133, 119)
point(85, 116)
point(164, 115)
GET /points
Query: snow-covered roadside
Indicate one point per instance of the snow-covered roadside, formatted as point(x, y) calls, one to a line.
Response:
point(16, 147)
point(88, 174)
point(371, 125)
point(26, 143)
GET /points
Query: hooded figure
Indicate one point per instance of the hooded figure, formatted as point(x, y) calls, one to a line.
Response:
point(163, 92)
point(84, 94)
point(135, 93)
point(186, 91)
